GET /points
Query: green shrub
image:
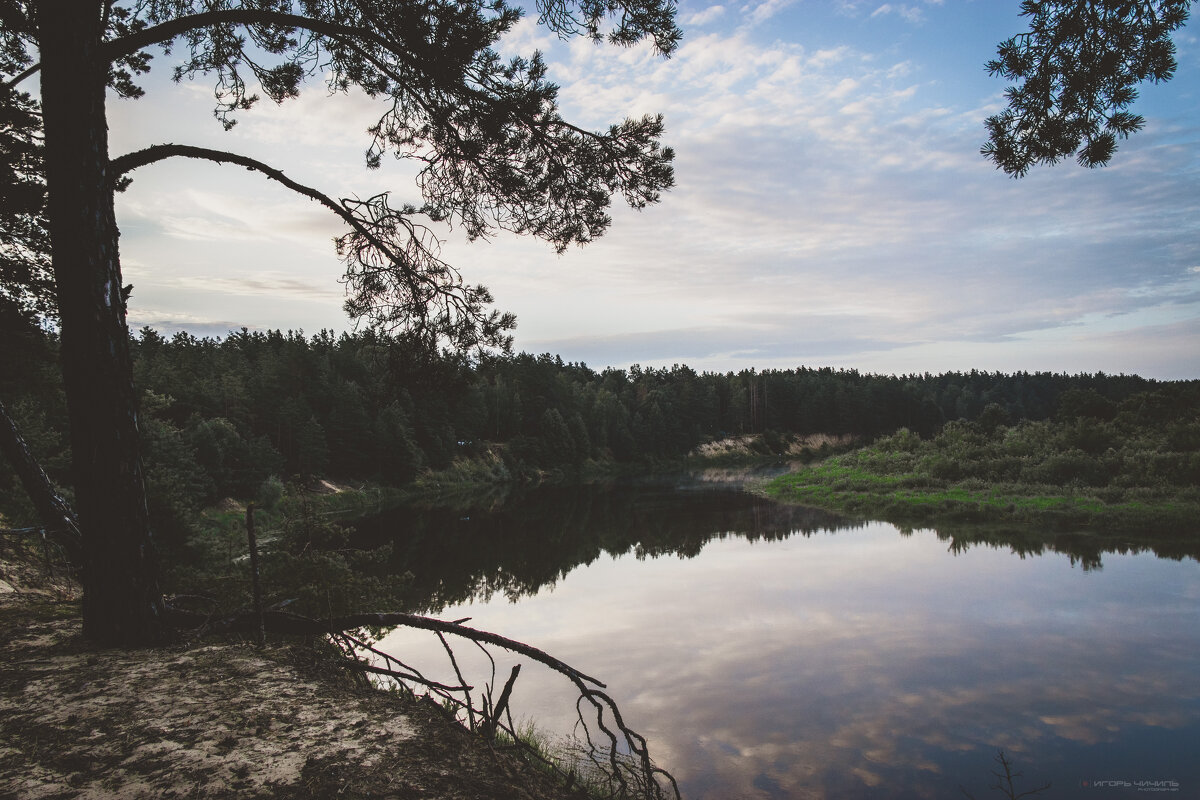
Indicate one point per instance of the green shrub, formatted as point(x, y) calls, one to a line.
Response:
point(270, 493)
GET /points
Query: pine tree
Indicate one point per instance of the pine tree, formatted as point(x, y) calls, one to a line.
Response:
point(496, 154)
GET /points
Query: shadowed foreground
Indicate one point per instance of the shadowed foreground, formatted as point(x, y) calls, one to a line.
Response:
point(216, 720)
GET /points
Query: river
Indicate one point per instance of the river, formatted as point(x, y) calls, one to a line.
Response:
point(767, 651)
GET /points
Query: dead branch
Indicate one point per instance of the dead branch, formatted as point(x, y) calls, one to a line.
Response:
point(497, 711)
point(56, 513)
point(461, 680)
point(1006, 780)
point(284, 622)
point(616, 751)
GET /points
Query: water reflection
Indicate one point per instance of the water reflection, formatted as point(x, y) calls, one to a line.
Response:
point(782, 659)
point(518, 544)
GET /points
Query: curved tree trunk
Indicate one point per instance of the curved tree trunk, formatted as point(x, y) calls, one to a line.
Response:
point(121, 602)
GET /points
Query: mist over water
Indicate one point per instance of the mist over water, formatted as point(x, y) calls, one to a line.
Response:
point(774, 652)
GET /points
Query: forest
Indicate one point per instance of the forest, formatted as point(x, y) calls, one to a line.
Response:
point(221, 417)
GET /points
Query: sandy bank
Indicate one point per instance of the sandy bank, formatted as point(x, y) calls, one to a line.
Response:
point(216, 720)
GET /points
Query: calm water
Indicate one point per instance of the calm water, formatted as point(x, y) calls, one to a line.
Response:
point(771, 652)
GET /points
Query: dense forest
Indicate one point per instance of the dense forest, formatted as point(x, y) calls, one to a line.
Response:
point(221, 417)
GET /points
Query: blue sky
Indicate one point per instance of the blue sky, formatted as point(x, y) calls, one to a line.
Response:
point(831, 208)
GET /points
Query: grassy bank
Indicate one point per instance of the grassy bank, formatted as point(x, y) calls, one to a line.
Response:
point(1081, 473)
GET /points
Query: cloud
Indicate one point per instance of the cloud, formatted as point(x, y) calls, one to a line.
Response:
point(1167, 351)
point(906, 12)
point(700, 346)
point(763, 11)
point(793, 160)
point(862, 654)
point(770, 328)
point(267, 283)
point(169, 323)
point(829, 197)
point(705, 16)
point(528, 35)
point(238, 211)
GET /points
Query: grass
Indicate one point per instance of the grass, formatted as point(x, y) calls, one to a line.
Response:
point(566, 758)
point(968, 475)
point(837, 488)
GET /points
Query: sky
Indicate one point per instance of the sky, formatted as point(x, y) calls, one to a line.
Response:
point(831, 207)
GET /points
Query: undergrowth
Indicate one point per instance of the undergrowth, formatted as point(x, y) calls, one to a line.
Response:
point(1118, 474)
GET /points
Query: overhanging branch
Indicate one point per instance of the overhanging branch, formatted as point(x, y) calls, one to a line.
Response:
point(29, 72)
point(167, 31)
point(392, 266)
point(122, 165)
point(283, 622)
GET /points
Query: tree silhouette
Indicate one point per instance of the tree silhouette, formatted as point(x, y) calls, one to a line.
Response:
point(1078, 67)
point(494, 152)
point(26, 282)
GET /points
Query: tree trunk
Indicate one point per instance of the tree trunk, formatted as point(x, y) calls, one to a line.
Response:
point(121, 602)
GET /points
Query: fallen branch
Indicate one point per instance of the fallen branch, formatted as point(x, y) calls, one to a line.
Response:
point(284, 622)
point(56, 513)
point(497, 712)
point(620, 754)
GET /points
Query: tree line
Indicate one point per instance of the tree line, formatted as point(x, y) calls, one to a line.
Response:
point(222, 416)
point(495, 154)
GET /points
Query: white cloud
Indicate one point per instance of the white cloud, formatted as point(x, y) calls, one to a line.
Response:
point(829, 200)
point(268, 283)
point(760, 13)
point(808, 177)
point(909, 13)
point(528, 35)
point(828, 57)
point(710, 14)
point(169, 322)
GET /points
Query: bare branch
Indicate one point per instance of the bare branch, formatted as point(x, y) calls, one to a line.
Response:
point(25, 74)
point(1005, 781)
point(120, 166)
point(392, 673)
point(56, 513)
point(492, 722)
point(623, 756)
point(458, 672)
point(392, 267)
point(284, 622)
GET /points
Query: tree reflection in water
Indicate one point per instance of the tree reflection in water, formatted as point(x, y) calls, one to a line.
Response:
point(773, 651)
point(516, 543)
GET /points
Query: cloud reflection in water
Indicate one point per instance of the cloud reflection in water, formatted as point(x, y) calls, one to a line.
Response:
point(868, 664)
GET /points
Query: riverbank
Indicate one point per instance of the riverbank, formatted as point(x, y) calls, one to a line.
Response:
point(1130, 481)
point(212, 719)
point(486, 475)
